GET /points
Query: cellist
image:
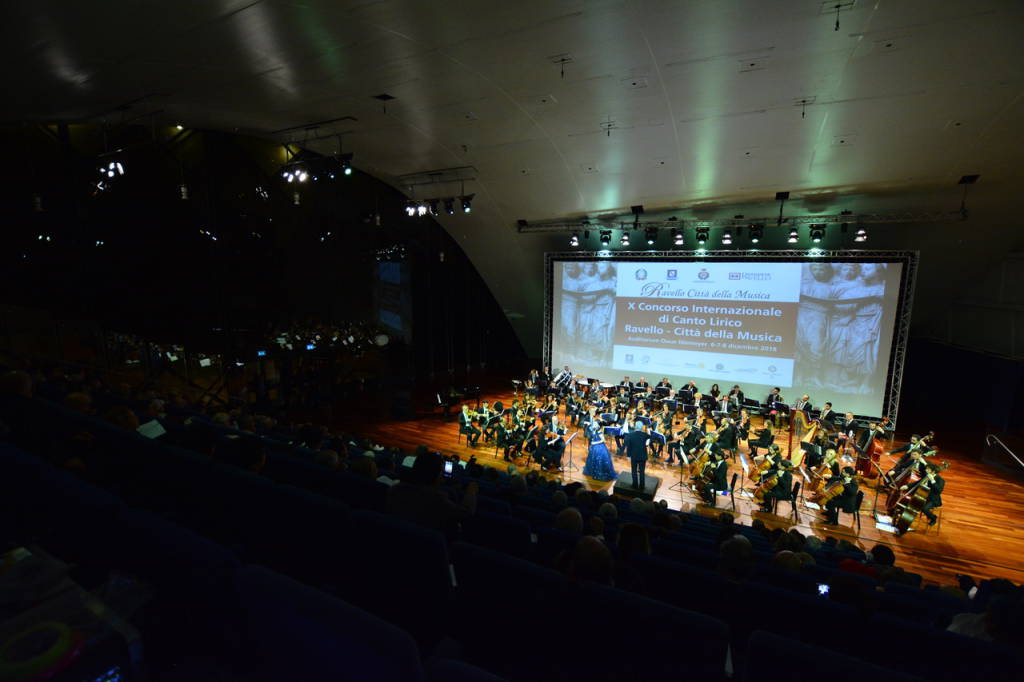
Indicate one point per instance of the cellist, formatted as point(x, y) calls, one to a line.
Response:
point(715, 477)
point(847, 500)
point(934, 484)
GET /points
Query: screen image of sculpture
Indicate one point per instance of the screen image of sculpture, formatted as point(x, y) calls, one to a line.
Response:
point(839, 326)
point(588, 311)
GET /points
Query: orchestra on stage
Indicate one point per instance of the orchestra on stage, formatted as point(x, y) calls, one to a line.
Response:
point(800, 453)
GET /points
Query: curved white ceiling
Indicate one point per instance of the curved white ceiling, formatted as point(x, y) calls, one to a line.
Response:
point(563, 108)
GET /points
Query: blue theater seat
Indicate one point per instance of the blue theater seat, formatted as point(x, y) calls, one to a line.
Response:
point(498, 532)
point(290, 631)
point(772, 657)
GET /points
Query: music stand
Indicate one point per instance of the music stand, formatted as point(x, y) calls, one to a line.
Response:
point(662, 390)
point(685, 466)
point(516, 383)
point(571, 466)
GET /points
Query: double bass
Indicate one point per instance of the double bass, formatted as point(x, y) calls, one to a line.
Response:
point(872, 455)
point(911, 504)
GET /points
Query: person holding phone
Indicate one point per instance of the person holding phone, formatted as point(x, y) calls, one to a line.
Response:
point(420, 499)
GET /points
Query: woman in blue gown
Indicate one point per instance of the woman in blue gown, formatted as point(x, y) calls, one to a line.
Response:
point(599, 460)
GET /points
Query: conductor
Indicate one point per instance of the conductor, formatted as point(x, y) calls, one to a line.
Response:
point(636, 449)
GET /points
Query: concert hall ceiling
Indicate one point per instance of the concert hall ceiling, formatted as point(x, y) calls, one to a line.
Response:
point(566, 108)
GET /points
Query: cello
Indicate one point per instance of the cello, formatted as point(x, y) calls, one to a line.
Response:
point(911, 504)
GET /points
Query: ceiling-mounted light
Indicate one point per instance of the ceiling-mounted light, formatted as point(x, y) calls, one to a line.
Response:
point(624, 241)
point(756, 232)
point(467, 202)
point(727, 237)
point(346, 166)
point(677, 238)
point(652, 235)
point(817, 233)
point(421, 209)
point(574, 240)
point(449, 206)
point(794, 236)
point(410, 208)
point(432, 204)
point(702, 235)
point(861, 235)
point(606, 237)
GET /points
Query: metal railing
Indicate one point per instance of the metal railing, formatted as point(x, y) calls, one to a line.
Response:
point(990, 438)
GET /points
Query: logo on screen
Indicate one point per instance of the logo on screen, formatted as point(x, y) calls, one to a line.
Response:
point(703, 274)
point(772, 368)
point(734, 275)
point(629, 358)
point(672, 274)
point(719, 367)
point(641, 274)
point(758, 276)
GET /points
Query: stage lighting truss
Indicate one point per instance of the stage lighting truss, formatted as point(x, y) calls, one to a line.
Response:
point(817, 233)
point(702, 235)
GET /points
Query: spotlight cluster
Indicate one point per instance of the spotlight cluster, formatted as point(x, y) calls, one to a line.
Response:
point(418, 208)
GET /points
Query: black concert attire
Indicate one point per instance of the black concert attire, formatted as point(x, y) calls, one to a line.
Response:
point(466, 426)
point(783, 489)
point(727, 438)
point(636, 449)
point(934, 500)
point(719, 481)
point(764, 439)
point(688, 442)
point(847, 501)
point(664, 384)
point(805, 407)
point(828, 416)
point(735, 400)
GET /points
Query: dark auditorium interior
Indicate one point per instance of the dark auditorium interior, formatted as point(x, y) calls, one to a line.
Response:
point(282, 280)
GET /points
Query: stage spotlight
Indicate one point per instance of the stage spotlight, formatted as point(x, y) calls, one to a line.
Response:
point(625, 238)
point(574, 240)
point(112, 169)
point(861, 235)
point(794, 236)
point(606, 237)
point(727, 238)
point(702, 235)
point(651, 234)
point(421, 210)
point(410, 208)
point(346, 167)
point(756, 232)
point(449, 206)
point(467, 203)
point(817, 233)
point(677, 238)
point(432, 206)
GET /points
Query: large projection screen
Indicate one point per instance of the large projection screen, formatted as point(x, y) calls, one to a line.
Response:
point(832, 326)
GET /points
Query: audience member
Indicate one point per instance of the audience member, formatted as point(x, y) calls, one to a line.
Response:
point(736, 558)
point(569, 520)
point(419, 499)
point(122, 417)
point(589, 561)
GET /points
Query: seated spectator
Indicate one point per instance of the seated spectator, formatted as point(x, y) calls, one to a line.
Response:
point(328, 459)
point(79, 402)
point(569, 520)
point(419, 499)
point(608, 512)
point(736, 558)
point(638, 506)
point(559, 499)
point(1002, 621)
point(633, 539)
point(364, 466)
point(787, 561)
point(122, 417)
point(884, 561)
point(595, 527)
point(516, 489)
point(589, 561)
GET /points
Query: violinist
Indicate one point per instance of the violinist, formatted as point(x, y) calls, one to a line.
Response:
point(847, 500)
point(505, 437)
point(685, 440)
point(727, 435)
point(714, 477)
point(783, 488)
point(466, 426)
point(935, 484)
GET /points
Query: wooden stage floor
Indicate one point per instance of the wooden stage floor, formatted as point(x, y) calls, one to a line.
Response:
point(980, 533)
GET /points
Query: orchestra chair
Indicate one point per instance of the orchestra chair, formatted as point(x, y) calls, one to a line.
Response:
point(794, 495)
point(732, 490)
point(856, 510)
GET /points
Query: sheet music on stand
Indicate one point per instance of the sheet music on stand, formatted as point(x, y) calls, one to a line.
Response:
point(743, 463)
point(718, 414)
point(804, 474)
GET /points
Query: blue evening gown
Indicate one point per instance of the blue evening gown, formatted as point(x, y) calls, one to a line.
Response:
point(599, 460)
